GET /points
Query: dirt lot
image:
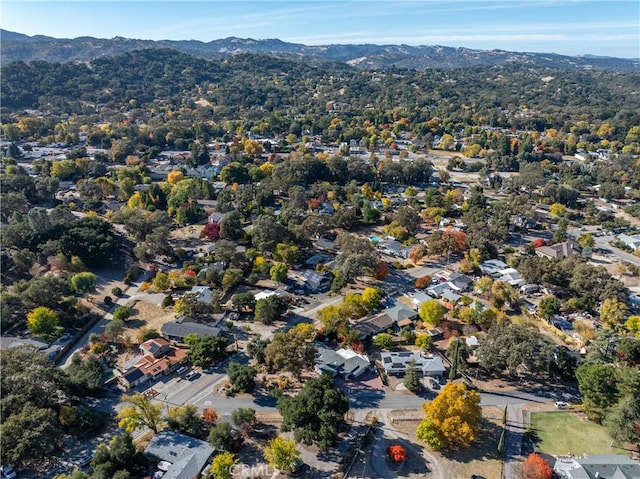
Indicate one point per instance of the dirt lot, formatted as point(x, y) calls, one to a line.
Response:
point(481, 459)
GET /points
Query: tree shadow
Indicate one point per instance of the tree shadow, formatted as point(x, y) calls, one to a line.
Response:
point(365, 398)
point(483, 449)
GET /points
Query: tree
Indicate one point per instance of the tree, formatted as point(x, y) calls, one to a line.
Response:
point(535, 467)
point(548, 307)
point(372, 297)
point(281, 453)
point(558, 210)
point(139, 412)
point(222, 466)
point(244, 301)
point(256, 349)
point(270, 309)
point(598, 385)
point(452, 419)
point(185, 419)
point(623, 421)
point(231, 226)
point(267, 232)
point(509, 346)
point(241, 377)
point(287, 253)
point(502, 293)
point(316, 413)
point(206, 350)
point(278, 272)
point(83, 282)
point(221, 437)
point(383, 340)
point(244, 419)
point(423, 341)
point(28, 434)
point(87, 374)
point(612, 312)
point(114, 329)
point(290, 351)
point(211, 231)
point(122, 313)
point(396, 453)
point(633, 325)
point(432, 312)
point(209, 416)
point(407, 217)
point(44, 323)
point(411, 379)
point(231, 278)
point(586, 240)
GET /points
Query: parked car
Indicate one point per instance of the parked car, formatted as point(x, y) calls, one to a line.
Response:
point(191, 375)
point(561, 405)
point(84, 461)
point(8, 472)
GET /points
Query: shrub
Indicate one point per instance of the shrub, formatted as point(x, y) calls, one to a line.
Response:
point(423, 282)
point(108, 300)
point(167, 301)
point(396, 453)
point(117, 292)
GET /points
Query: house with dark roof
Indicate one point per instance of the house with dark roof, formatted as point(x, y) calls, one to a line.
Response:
point(182, 326)
point(315, 281)
point(563, 250)
point(186, 456)
point(371, 325)
point(396, 363)
point(343, 362)
point(597, 466)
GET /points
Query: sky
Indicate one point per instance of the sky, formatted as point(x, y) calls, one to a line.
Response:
point(570, 27)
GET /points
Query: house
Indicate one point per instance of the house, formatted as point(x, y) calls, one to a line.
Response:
point(492, 266)
point(182, 326)
point(325, 244)
point(437, 290)
point(472, 342)
point(418, 297)
point(202, 294)
point(394, 248)
point(49, 350)
point(400, 313)
point(396, 363)
point(460, 283)
point(450, 297)
point(185, 455)
point(315, 281)
point(511, 276)
point(344, 362)
point(373, 325)
point(215, 217)
point(632, 242)
point(156, 347)
point(157, 357)
point(563, 250)
point(597, 466)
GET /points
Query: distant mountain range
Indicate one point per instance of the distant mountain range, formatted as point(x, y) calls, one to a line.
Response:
point(19, 47)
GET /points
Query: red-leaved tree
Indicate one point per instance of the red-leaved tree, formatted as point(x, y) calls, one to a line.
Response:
point(211, 231)
point(396, 453)
point(535, 467)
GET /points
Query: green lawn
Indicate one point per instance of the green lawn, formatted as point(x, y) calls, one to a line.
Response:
point(563, 432)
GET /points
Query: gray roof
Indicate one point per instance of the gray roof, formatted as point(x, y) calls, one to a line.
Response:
point(400, 312)
point(50, 350)
point(598, 466)
point(328, 360)
point(187, 455)
point(373, 325)
point(182, 326)
point(398, 362)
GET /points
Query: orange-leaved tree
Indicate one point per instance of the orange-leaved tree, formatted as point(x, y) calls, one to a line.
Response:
point(452, 419)
point(396, 453)
point(535, 467)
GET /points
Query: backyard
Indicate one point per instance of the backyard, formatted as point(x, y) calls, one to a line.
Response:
point(560, 433)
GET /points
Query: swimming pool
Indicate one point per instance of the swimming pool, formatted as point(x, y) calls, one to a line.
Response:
point(375, 239)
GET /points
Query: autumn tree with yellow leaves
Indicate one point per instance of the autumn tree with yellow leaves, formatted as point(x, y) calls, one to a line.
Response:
point(452, 419)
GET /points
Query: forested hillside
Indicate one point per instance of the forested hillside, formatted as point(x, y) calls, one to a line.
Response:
point(270, 93)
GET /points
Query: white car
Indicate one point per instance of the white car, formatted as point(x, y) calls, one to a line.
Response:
point(561, 405)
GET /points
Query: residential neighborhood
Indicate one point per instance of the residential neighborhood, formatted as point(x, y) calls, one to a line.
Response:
point(369, 294)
